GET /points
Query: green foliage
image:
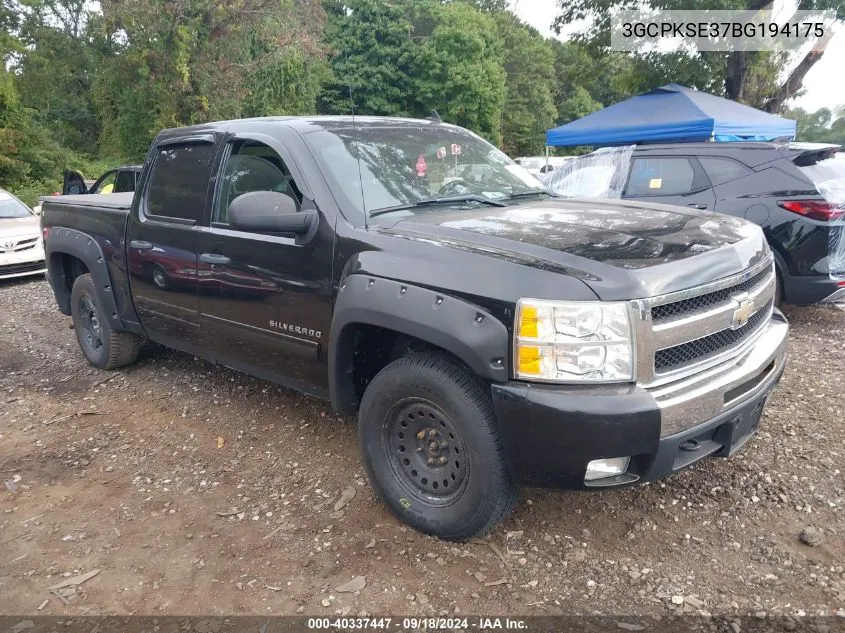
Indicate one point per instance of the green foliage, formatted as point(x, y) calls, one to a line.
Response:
point(371, 46)
point(821, 126)
point(87, 85)
point(530, 102)
point(764, 80)
point(457, 70)
point(54, 76)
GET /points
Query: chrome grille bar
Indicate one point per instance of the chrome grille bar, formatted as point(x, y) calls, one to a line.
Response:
point(740, 303)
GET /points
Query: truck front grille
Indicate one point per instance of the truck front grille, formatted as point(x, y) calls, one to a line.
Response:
point(685, 332)
point(666, 360)
point(680, 309)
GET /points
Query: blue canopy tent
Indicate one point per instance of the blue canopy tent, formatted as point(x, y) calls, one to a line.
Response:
point(672, 114)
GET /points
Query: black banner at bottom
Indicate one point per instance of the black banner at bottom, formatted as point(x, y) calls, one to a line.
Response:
point(401, 624)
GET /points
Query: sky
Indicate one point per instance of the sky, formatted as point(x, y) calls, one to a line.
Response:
point(823, 86)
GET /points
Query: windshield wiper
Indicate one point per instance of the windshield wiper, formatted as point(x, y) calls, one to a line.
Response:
point(532, 192)
point(428, 202)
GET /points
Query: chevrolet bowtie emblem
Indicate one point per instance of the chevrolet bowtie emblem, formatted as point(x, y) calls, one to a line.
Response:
point(743, 311)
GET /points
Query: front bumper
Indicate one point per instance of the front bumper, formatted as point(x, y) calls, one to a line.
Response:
point(22, 263)
point(552, 432)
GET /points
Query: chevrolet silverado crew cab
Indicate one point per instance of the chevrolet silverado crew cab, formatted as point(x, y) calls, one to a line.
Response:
point(486, 333)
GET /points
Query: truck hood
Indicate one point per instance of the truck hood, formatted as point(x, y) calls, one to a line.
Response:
point(621, 249)
point(19, 227)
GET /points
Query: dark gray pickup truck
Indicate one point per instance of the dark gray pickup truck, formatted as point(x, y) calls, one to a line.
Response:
point(486, 333)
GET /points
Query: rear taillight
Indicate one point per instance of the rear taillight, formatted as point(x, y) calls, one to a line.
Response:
point(45, 232)
point(814, 209)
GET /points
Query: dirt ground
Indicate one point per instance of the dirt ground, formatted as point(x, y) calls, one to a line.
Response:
point(197, 490)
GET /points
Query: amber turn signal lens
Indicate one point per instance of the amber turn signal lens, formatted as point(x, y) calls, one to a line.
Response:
point(528, 322)
point(529, 360)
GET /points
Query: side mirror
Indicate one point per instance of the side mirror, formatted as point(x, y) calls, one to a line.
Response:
point(269, 212)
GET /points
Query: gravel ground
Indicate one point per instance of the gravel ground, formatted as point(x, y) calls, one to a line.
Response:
point(197, 490)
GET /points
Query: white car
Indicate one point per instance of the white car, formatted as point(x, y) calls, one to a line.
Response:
point(21, 245)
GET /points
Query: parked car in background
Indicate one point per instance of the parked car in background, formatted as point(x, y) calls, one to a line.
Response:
point(121, 179)
point(21, 246)
point(794, 191)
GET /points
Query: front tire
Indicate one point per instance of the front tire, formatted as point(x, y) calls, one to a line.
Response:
point(103, 347)
point(432, 447)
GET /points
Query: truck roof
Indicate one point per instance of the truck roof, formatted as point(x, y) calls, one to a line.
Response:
point(301, 123)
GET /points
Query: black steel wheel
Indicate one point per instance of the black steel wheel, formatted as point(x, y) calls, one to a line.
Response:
point(425, 451)
point(432, 447)
point(101, 345)
point(89, 328)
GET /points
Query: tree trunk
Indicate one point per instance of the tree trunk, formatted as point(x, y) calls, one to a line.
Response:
point(736, 72)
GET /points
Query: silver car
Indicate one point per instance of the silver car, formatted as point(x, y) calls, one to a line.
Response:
point(21, 245)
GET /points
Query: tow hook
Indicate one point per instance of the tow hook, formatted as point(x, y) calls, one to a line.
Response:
point(690, 446)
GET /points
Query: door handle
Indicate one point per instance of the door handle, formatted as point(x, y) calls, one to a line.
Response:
point(697, 206)
point(214, 258)
point(140, 245)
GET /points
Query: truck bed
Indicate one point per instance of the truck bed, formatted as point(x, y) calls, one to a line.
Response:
point(109, 201)
point(102, 217)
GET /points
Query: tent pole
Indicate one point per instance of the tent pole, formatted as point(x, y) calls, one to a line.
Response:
point(547, 159)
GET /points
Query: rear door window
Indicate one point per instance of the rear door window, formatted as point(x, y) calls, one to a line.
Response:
point(721, 170)
point(179, 181)
point(660, 177)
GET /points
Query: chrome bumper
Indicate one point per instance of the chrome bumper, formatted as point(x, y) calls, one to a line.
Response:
point(703, 396)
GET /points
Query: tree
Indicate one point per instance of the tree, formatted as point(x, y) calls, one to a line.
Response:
point(55, 70)
point(189, 61)
point(822, 126)
point(761, 79)
point(577, 92)
point(529, 103)
point(371, 50)
point(457, 68)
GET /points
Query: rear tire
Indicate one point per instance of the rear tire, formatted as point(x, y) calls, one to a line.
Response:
point(103, 347)
point(432, 447)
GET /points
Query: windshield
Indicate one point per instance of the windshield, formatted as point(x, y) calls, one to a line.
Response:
point(11, 207)
point(598, 175)
point(403, 165)
point(589, 182)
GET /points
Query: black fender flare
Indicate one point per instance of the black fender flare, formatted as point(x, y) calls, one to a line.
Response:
point(469, 332)
point(65, 241)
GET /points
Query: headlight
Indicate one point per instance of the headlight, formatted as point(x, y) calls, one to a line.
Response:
point(573, 341)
